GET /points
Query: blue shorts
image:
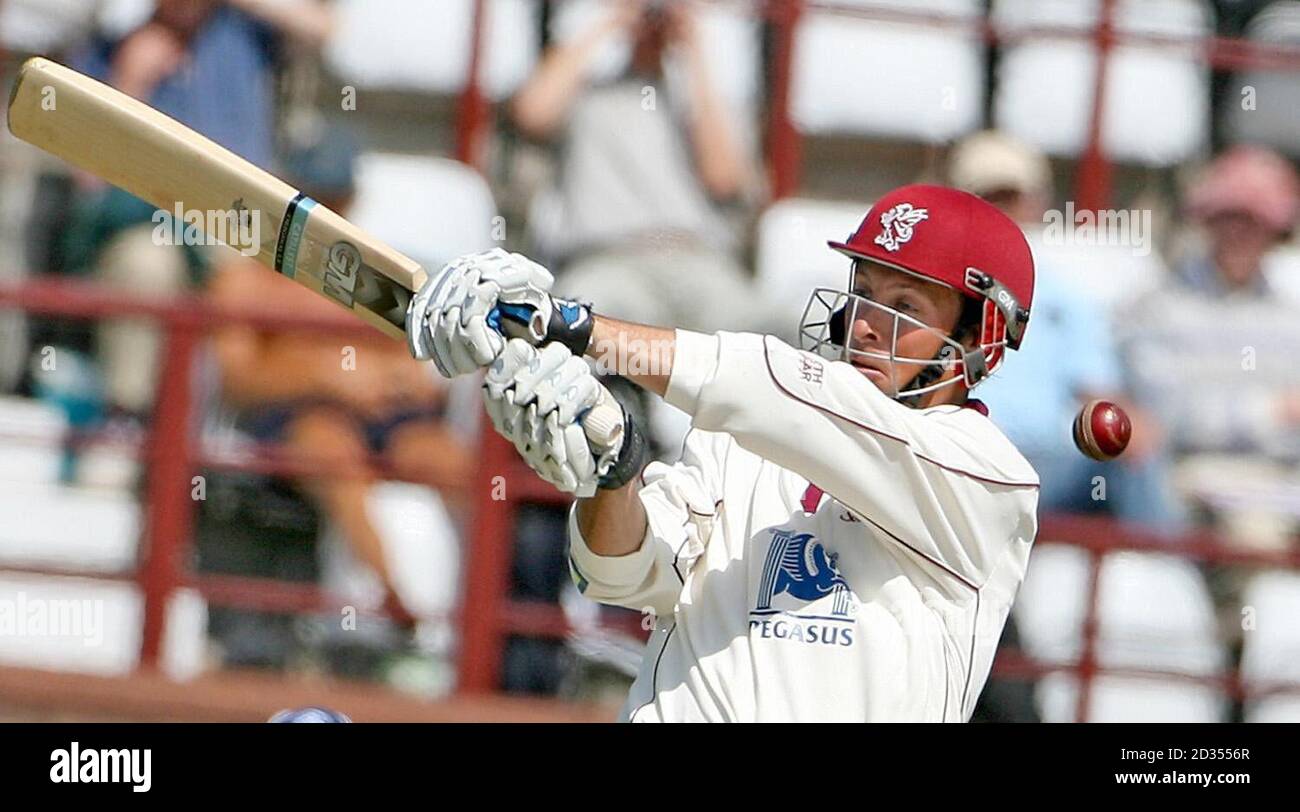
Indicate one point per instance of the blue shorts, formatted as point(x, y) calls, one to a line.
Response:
point(270, 423)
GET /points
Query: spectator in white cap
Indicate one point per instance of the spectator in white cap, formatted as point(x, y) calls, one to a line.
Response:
point(1036, 395)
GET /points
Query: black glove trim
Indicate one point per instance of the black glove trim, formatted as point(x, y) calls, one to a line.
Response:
point(571, 325)
point(632, 457)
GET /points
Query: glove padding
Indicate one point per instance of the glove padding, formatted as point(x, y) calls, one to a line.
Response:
point(448, 319)
point(535, 399)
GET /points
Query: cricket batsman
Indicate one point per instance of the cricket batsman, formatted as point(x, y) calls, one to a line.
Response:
point(846, 530)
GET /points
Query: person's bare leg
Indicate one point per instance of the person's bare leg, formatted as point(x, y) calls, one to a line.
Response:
point(330, 438)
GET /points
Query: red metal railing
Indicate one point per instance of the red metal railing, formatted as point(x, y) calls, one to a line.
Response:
point(1102, 537)
point(173, 456)
point(1094, 170)
point(487, 616)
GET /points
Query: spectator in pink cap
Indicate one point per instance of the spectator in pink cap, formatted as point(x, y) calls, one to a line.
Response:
point(1212, 353)
point(1247, 202)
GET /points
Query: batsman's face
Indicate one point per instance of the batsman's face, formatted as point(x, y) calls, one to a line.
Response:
point(919, 303)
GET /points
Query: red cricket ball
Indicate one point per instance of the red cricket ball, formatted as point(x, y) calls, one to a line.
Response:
point(1102, 430)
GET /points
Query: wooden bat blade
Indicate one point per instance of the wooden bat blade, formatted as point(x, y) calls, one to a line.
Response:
point(156, 158)
point(129, 144)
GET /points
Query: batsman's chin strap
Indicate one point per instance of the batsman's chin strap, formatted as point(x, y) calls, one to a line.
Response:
point(931, 374)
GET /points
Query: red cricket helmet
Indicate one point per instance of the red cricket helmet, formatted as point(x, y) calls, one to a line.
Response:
point(956, 239)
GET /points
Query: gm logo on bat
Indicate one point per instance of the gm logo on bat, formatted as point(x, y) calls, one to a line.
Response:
point(341, 266)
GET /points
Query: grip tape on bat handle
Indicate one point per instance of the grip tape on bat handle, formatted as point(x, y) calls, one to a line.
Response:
point(603, 423)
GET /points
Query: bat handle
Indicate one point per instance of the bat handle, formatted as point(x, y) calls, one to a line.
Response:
point(603, 423)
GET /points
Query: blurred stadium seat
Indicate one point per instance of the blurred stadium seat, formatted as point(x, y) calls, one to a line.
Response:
point(791, 256)
point(31, 441)
point(1282, 269)
point(114, 615)
point(41, 26)
point(1154, 612)
point(1271, 118)
point(888, 79)
point(1112, 275)
point(1157, 99)
point(431, 209)
point(1271, 648)
point(399, 45)
point(65, 526)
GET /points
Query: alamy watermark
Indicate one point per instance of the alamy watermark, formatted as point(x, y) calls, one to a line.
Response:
point(24, 616)
point(237, 227)
point(1125, 228)
point(626, 357)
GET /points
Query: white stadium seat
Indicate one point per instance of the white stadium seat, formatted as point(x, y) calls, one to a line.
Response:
point(70, 527)
point(1271, 648)
point(1274, 709)
point(401, 45)
point(1113, 276)
point(888, 79)
point(93, 627)
point(1157, 98)
point(1155, 612)
point(31, 441)
point(791, 254)
point(1267, 116)
point(431, 209)
point(1282, 269)
point(44, 26)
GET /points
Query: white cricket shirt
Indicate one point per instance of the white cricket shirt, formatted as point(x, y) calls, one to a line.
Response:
point(821, 552)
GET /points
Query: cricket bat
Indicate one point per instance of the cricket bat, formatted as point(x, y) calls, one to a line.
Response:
point(161, 161)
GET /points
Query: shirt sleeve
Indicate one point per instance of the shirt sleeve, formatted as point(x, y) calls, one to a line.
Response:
point(945, 484)
point(681, 503)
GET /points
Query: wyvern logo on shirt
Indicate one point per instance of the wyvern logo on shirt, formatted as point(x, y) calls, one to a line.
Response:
point(797, 573)
point(91, 766)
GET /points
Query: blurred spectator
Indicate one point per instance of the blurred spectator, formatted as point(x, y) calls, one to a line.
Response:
point(647, 167)
point(1213, 352)
point(210, 65)
point(336, 401)
point(1069, 357)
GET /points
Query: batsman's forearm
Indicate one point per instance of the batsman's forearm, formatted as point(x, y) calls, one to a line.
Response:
point(613, 523)
point(638, 352)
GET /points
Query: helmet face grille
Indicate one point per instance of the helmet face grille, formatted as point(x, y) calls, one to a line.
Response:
point(825, 330)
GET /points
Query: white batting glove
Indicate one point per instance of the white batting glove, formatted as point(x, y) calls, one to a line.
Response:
point(453, 318)
point(534, 399)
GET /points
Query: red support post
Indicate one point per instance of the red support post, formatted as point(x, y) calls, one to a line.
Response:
point(471, 117)
point(784, 144)
point(1093, 182)
point(487, 568)
point(1088, 637)
point(170, 507)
